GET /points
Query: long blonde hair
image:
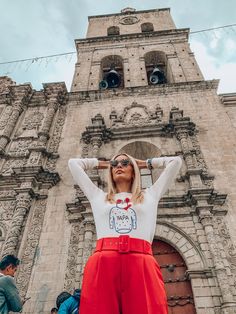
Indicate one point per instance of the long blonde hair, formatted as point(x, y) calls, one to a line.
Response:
point(137, 194)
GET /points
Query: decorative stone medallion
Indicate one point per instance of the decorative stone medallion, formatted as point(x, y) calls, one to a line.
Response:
point(129, 20)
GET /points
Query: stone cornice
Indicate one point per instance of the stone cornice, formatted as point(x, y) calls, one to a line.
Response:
point(104, 39)
point(229, 99)
point(159, 90)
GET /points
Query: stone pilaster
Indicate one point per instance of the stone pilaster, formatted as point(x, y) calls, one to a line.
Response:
point(89, 230)
point(23, 201)
point(206, 219)
point(19, 96)
point(183, 128)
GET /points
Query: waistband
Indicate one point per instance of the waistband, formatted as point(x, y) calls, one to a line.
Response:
point(124, 244)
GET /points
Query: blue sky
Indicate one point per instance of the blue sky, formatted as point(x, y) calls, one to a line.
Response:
point(34, 28)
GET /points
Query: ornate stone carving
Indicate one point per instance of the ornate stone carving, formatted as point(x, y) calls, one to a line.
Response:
point(31, 245)
point(23, 201)
point(55, 139)
point(20, 147)
point(7, 194)
point(5, 83)
point(32, 121)
point(9, 164)
point(96, 133)
point(206, 219)
point(5, 116)
point(228, 245)
point(6, 210)
point(73, 273)
point(129, 20)
point(136, 115)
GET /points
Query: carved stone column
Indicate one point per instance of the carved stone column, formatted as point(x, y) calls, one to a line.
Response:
point(23, 201)
point(183, 129)
point(5, 136)
point(55, 95)
point(206, 219)
point(89, 230)
point(19, 98)
point(95, 134)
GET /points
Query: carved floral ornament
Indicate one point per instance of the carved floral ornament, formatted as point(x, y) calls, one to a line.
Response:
point(129, 20)
point(137, 115)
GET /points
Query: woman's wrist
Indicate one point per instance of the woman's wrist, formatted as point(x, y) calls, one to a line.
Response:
point(149, 163)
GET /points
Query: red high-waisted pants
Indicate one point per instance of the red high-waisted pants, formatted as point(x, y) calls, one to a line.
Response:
point(122, 278)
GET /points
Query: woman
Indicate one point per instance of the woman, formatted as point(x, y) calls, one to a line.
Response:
point(122, 276)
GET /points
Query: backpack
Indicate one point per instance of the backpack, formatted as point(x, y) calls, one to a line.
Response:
point(75, 311)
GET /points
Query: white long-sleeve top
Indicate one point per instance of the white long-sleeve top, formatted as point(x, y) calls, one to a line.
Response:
point(124, 217)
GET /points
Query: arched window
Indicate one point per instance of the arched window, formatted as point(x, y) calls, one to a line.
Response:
point(112, 75)
point(113, 30)
point(147, 27)
point(156, 69)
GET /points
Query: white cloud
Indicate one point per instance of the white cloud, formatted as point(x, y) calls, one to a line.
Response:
point(212, 69)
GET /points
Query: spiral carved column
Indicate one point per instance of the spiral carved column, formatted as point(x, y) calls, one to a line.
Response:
point(23, 201)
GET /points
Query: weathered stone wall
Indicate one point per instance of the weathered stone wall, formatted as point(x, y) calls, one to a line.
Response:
point(161, 20)
point(46, 219)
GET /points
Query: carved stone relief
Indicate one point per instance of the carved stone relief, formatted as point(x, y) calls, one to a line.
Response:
point(73, 273)
point(6, 114)
point(5, 83)
point(7, 194)
point(31, 124)
point(129, 20)
point(20, 147)
point(55, 139)
point(136, 115)
point(9, 164)
point(6, 210)
point(228, 245)
point(31, 246)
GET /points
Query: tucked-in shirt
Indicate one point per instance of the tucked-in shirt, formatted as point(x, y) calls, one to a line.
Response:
point(123, 217)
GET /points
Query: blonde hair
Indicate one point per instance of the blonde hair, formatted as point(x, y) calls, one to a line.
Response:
point(137, 194)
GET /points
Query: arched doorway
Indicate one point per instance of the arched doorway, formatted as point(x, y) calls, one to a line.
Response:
point(178, 286)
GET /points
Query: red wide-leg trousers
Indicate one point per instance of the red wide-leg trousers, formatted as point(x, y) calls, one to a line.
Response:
point(122, 281)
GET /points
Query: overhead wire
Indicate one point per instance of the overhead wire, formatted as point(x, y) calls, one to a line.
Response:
point(40, 58)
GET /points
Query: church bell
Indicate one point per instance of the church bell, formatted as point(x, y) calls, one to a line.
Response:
point(157, 77)
point(112, 79)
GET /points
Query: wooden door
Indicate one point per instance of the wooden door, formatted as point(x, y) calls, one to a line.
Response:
point(178, 287)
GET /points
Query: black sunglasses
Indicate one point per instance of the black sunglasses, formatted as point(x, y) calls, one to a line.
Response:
point(124, 163)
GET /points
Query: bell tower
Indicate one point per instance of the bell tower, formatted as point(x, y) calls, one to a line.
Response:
point(131, 49)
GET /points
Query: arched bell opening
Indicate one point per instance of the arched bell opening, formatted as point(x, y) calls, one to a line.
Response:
point(177, 283)
point(112, 75)
point(156, 69)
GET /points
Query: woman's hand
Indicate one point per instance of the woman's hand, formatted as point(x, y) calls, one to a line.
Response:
point(103, 164)
point(141, 163)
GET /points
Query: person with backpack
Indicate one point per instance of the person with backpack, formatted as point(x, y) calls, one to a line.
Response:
point(71, 304)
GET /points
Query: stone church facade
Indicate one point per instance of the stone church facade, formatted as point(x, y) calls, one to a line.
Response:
point(114, 106)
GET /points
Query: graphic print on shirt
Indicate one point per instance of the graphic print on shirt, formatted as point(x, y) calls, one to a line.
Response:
point(122, 217)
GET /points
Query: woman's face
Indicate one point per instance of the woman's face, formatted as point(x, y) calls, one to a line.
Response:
point(123, 171)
